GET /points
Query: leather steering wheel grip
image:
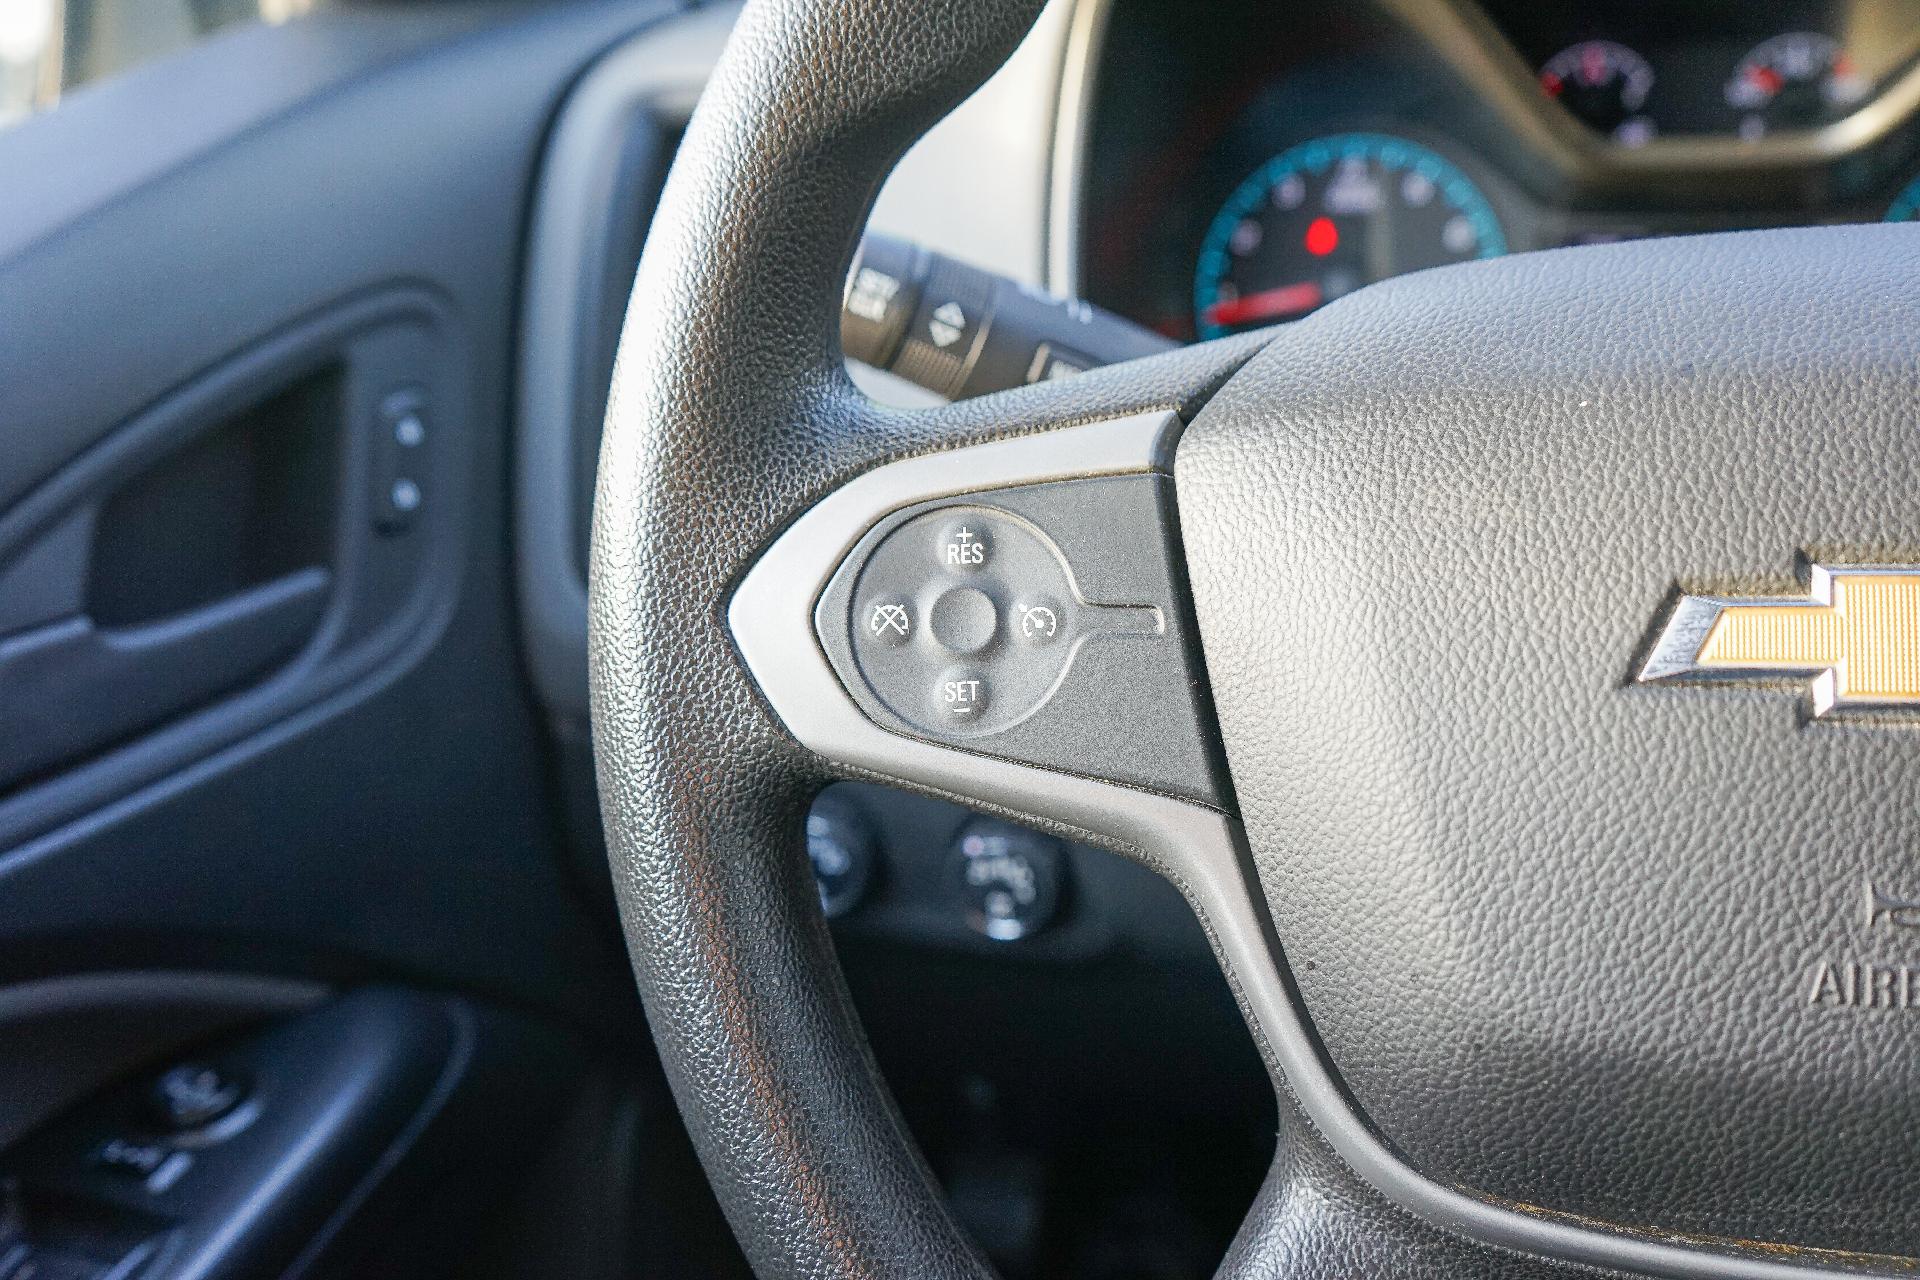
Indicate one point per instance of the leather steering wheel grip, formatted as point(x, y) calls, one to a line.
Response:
point(729, 415)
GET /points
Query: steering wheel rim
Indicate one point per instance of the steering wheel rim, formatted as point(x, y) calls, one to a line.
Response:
point(729, 414)
point(731, 418)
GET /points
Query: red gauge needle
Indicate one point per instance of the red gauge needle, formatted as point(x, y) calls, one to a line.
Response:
point(1268, 304)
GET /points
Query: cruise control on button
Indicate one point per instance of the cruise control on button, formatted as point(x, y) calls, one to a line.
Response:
point(1037, 621)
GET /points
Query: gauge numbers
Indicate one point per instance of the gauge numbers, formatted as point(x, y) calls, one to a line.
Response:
point(1327, 216)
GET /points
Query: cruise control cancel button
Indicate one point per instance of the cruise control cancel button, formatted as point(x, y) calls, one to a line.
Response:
point(888, 621)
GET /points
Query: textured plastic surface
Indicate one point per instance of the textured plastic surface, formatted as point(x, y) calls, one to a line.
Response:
point(400, 817)
point(610, 149)
point(74, 687)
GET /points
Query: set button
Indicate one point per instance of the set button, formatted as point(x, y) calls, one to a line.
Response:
point(962, 694)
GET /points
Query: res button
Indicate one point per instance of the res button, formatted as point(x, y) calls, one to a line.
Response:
point(964, 546)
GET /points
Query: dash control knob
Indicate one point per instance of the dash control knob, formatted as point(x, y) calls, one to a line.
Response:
point(840, 845)
point(1008, 880)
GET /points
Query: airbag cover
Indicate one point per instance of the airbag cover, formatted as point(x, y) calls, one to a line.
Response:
point(1562, 934)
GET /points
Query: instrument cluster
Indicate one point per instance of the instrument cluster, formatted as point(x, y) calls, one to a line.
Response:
point(1250, 169)
point(1639, 72)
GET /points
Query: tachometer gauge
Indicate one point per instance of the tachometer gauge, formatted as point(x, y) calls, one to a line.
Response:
point(1328, 216)
point(1794, 81)
point(1604, 84)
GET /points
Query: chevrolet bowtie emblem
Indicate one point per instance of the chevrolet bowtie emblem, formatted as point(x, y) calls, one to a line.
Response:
point(1855, 635)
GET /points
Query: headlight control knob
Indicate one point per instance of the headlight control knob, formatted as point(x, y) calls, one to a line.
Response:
point(1007, 880)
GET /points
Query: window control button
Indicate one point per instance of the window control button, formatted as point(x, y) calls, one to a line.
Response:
point(137, 1159)
point(155, 1165)
point(193, 1095)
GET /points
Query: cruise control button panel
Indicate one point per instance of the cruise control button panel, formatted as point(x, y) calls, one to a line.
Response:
point(1037, 623)
point(965, 581)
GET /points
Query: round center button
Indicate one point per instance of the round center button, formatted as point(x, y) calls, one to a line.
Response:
point(964, 620)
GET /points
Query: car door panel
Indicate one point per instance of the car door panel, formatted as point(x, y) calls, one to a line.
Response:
point(265, 738)
point(155, 305)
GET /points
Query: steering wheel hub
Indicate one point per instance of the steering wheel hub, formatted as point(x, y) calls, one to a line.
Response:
point(1573, 938)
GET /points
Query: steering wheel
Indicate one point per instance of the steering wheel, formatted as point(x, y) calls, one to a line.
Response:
point(1510, 663)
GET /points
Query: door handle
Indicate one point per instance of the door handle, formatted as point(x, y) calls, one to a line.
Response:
point(71, 688)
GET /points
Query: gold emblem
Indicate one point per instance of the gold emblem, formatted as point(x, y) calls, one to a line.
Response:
point(1855, 635)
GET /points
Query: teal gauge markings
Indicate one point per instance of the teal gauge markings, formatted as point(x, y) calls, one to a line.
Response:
point(1329, 215)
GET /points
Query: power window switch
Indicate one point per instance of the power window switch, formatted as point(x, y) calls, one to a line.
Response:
point(137, 1159)
point(194, 1095)
point(156, 1165)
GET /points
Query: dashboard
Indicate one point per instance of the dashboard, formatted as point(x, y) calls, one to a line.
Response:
point(1248, 167)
